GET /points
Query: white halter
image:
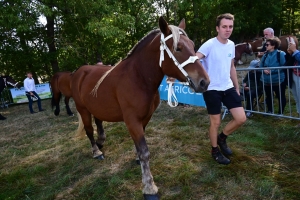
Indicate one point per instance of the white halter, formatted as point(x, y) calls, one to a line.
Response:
point(163, 46)
point(192, 59)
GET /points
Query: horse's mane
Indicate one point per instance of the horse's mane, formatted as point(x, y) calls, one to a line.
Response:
point(240, 44)
point(175, 33)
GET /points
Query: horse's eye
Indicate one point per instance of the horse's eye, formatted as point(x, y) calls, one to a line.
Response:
point(178, 49)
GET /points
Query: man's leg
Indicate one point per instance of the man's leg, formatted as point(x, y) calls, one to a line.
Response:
point(213, 104)
point(38, 101)
point(238, 120)
point(30, 103)
point(232, 101)
point(296, 91)
point(215, 122)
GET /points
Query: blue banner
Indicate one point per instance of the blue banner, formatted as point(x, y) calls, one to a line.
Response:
point(183, 93)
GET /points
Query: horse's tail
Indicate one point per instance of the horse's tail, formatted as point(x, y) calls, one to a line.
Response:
point(56, 94)
point(80, 130)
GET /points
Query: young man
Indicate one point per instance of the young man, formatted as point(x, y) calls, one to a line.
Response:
point(218, 54)
point(30, 90)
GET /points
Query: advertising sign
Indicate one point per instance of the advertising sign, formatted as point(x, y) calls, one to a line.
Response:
point(19, 96)
point(183, 93)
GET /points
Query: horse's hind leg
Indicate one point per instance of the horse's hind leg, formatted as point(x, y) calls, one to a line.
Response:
point(87, 122)
point(70, 113)
point(55, 102)
point(101, 135)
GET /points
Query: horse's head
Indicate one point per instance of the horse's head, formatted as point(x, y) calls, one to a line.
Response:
point(182, 62)
point(8, 80)
point(248, 49)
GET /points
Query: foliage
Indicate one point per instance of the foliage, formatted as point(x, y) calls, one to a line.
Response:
point(44, 36)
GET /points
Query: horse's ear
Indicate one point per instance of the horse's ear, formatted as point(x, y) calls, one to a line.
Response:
point(182, 24)
point(164, 27)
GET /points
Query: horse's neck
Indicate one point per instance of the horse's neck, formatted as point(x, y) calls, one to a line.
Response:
point(238, 52)
point(145, 61)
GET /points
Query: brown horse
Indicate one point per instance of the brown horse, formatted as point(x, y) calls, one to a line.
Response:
point(240, 49)
point(129, 91)
point(257, 44)
point(60, 84)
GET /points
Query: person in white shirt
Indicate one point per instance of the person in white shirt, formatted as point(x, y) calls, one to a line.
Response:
point(30, 91)
point(217, 55)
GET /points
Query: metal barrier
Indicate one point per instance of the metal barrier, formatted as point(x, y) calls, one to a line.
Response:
point(5, 98)
point(258, 99)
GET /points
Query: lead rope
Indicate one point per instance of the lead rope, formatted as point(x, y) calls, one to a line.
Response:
point(172, 99)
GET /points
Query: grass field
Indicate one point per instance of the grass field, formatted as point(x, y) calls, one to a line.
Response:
point(40, 158)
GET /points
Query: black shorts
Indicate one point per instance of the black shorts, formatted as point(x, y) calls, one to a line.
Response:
point(214, 99)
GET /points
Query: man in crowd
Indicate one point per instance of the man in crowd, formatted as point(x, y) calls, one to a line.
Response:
point(30, 91)
point(296, 74)
point(218, 54)
point(268, 34)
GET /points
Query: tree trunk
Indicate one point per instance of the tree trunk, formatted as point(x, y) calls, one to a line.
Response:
point(51, 42)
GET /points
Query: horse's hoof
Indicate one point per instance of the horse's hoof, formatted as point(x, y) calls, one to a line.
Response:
point(56, 113)
point(151, 197)
point(138, 162)
point(71, 114)
point(101, 157)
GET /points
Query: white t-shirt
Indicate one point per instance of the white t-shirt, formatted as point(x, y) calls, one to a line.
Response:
point(29, 85)
point(217, 63)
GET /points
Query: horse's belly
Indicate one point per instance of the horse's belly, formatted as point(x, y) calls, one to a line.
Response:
point(105, 108)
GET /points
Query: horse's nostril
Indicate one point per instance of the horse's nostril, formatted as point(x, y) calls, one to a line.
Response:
point(202, 83)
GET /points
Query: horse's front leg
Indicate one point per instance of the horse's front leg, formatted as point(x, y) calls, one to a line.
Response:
point(150, 190)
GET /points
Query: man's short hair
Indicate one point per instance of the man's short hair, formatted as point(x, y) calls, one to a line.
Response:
point(224, 16)
point(274, 42)
point(269, 30)
point(28, 72)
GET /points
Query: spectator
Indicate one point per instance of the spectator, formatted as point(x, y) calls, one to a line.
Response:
point(217, 54)
point(252, 87)
point(272, 80)
point(268, 34)
point(30, 91)
point(296, 74)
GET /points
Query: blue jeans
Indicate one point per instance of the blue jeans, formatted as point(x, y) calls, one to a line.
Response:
point(31, 101)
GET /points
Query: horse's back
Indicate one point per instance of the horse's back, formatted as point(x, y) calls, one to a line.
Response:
point(61, 81)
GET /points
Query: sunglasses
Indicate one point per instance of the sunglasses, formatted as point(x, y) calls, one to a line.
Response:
point(268, 45)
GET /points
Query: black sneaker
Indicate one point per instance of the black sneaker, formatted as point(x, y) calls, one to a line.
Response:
point(218, 156)
point(33, 112)
point(223, 146)
point(41, 110)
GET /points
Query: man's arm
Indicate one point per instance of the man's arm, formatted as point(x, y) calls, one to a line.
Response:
point(200, 55)
point(26, 86)
point(233, 77)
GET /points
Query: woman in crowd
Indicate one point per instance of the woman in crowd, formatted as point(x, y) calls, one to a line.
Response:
point(273, 79)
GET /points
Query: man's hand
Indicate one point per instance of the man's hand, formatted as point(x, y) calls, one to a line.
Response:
point(238, 91)
point(31, 94)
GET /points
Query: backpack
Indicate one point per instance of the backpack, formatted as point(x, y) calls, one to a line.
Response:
point(289, 61)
